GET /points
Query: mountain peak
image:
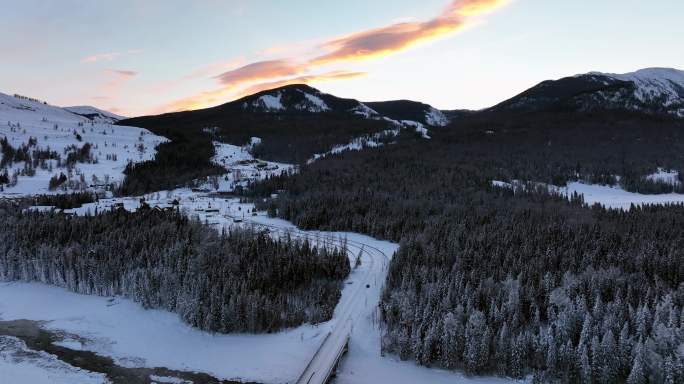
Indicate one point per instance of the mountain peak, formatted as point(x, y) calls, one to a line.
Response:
point(649, 90)
point(648, 74)
point(290, 98)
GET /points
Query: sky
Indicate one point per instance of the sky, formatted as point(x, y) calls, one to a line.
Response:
point(137, 57)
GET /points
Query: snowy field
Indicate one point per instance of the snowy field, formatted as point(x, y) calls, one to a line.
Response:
point(18, 365)
point(57, 128)
point(134, 337)
point(614, 196)
point(121, 329)
point(241, 167)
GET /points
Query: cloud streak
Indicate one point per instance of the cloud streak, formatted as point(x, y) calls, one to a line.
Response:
point(259, 71)
point(115, 79)
point(355, 47)
point(122, 73)
point(401, 36)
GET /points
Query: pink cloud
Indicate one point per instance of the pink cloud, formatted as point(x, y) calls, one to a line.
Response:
point(377, 42)
point(259, 71)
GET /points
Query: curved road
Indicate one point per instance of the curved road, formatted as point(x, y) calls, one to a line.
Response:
point(322, 365)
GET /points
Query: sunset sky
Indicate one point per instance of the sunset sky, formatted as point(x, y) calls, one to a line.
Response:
point(139, 57)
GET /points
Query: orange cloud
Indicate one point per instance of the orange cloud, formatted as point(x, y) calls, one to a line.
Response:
point(261, 75)
point(259, 71)
point(469, 8)
point(397, 37)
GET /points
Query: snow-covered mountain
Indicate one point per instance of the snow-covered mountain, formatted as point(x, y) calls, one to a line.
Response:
point(296, 122)
point(41, 142)
point(650, 90)
point(298, 99)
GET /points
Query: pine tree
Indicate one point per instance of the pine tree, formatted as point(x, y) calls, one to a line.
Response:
point(638, 374)
point(474, 356)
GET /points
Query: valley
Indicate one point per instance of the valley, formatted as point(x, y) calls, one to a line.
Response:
point(581, 205)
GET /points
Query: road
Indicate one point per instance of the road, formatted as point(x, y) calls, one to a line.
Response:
point(349, 310)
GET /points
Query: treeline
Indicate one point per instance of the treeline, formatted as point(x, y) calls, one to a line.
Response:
point(67, 200)
point(34, 157)
point(522, 282)
point(604, 147)
point(594, 298)
point(289, 137)
point(236, 281)
point(178, 162)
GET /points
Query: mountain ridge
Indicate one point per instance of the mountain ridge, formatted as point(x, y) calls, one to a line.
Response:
point(649, 90)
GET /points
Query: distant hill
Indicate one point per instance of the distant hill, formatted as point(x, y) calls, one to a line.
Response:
point(294, 122)
point(410, 110)
point(650, 90)
point(50, 149)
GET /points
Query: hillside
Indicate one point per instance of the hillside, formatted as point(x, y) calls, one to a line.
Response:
point(650, 90)
point(294, 122)
point(411, 111)
point(48, 149)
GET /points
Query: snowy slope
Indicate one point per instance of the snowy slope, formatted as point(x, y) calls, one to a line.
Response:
point(61, 132)
point(241, 167)
point(298, 98)
point(662, 85)
point(650, 90)
point(305, 99)
point(407, 110)
point(436, 118)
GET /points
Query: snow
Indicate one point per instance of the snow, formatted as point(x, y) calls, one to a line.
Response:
point(357, 144)
point(71, 344)
point(135, 337)
point(364, 110)
point(436, 118)
point(616, 197)
point(419, 127)
point(374, 140)
point(665, 176)
point(242, 167)
point(168, 380)
point(267, 103)
point(608, 196)
point(19, 364)
point(95, 114)
point(312, 104)
point(652, 84)
point(53, 127)
point(254, 141)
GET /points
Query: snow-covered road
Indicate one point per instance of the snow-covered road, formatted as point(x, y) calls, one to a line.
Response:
point(349, 310)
